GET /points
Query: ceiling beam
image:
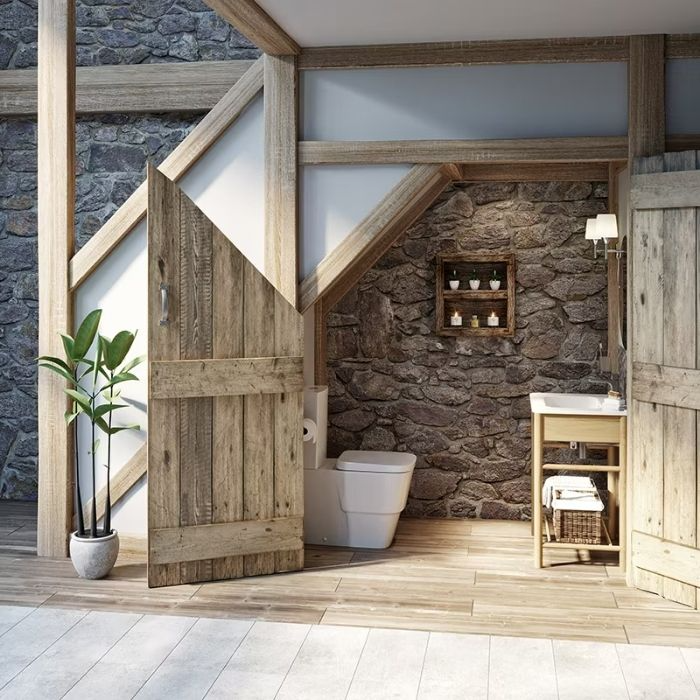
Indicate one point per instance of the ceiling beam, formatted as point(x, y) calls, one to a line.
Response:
point(682, 46)
point(538, 172)
point(539, 150)
point(255, 25)
point(144, 87)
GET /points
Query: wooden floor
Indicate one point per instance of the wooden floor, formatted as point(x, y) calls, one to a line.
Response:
point(440, 575)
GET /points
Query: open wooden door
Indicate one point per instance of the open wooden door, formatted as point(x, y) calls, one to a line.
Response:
point(665, 354)
point(225, 470)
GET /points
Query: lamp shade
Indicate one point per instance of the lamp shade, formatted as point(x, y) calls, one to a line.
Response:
point(606, 226)
point(592, 230)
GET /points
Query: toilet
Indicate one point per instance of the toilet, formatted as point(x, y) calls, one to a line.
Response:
point(355, 500)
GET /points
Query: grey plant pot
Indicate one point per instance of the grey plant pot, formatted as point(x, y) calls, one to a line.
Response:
point(94, 558)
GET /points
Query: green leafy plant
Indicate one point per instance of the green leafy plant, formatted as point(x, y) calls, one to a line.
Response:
point(495, 276)
point(94, 387)
point(474, 275)
point(454, 276)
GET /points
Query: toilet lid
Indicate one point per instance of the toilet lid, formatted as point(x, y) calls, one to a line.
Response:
point(383, 462)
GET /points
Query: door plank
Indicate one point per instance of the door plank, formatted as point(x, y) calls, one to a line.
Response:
point(195, 343)
point(676, 561)
point(227, 455)
point(258, 430)
point(680, 424)
point(670, 386)
point(227, 377)
point(163, 344)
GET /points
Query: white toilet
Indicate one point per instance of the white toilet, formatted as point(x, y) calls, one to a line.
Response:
point(356, 500)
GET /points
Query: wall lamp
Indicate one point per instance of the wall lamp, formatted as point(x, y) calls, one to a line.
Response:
point(603, 228)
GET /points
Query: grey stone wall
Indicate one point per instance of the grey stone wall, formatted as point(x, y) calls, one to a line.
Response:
point(461, 404)
point(112, 151)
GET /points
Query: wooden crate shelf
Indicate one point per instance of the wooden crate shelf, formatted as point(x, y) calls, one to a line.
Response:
point(481, 302)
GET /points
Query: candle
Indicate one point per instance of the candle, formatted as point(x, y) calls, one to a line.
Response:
point(456, 319)
point(475, 321)
point(492, 320)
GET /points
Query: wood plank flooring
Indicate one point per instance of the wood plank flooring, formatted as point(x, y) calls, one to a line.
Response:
point(440, 575)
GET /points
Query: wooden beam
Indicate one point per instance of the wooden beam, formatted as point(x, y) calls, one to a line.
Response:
point(197, 142)
point(197, 542)
point(255, 25)
point(467, 53)
point(647, 109)
point(670, 559)
point(121, 483)
point(358, 251)
point(56, 208)
point(669, 386)
point(668, 190)
point(683, 142)
point(683, 46)
point(230, 377)
point(562, 150)
point(538, 172)
point(281, 256)
point(614, 289)
point(143, 87)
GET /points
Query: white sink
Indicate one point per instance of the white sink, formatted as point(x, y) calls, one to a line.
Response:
point(573, 404)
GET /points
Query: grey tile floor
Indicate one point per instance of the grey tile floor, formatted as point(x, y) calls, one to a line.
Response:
point(54, 653)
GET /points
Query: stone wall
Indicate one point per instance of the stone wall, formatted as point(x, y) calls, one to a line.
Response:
point(112, 151)
point(461, 404)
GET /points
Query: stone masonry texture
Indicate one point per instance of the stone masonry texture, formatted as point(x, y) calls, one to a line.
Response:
point(112, 152)
point(461, 404)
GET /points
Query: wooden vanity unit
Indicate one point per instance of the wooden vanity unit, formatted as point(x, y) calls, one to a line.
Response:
point(558, 426)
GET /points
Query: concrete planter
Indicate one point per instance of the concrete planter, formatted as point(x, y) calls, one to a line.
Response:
point(94, 557)
point(454, 284)
point(495, 284)
point(474, 284)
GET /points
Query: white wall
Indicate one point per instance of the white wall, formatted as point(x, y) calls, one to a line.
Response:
point(683, 96)
point(479, 102)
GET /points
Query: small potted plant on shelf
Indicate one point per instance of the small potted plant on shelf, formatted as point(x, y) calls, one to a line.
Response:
point(94, 389)
point(454, 280)
point(474, 281)
point(495, 281)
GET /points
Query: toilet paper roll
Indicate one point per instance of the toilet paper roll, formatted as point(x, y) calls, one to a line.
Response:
point(310, 430)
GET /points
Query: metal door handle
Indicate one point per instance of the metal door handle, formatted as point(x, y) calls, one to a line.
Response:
point(164, 305)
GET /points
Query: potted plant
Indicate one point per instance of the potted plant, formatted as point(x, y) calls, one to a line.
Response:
point(495, 281)
point(94, 389)
point(454, 280)
point(474, 280)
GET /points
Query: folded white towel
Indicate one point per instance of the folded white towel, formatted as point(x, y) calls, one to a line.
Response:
point(588, 503)
point(560, 481)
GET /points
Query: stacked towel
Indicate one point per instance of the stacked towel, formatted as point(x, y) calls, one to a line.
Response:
point(570, 493)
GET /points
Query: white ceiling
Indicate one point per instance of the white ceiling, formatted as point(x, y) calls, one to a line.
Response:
point(346, 22)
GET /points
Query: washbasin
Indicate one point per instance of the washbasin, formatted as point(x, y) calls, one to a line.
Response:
point(573, 404)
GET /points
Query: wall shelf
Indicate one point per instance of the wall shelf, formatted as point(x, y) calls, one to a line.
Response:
point(482, 302)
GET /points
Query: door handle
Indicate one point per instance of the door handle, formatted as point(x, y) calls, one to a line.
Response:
point(164, 305)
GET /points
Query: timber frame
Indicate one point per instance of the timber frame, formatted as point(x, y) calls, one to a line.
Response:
point(227, 88)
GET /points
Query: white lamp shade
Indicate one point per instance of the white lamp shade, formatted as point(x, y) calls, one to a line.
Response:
point(606, 226)
point(592, 230)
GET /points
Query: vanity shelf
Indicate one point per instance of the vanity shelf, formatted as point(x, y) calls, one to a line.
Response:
point(484, 302)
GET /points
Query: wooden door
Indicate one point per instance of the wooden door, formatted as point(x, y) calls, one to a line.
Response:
point(225, 470)
point(665, 355)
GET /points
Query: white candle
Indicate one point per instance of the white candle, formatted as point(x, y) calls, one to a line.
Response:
point(456, 319)
point(492, 320)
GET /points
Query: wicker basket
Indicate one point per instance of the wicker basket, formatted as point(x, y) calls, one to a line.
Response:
point(578, 527)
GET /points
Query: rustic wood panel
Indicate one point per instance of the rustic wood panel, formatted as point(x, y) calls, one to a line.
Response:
point(667, 190)
point(120, 484)
point(228, 308)
point(281, 266)
point(467, 53)
point(196, 271)
point(645, 491)
point(647, 109)
point(196, 143)
point(683, 46)
point(143, 87)
point(683, 142)
point(408, 200)
point(615, 310)
point(680, 330)
point(582, 429)
point(163, 344)
point(227, 377)
point(669, 386)
point(675, 561)
point(56, 205)
point(190, 544)
point(321, 310)
point(540, 150)
point(525, 172)
point(255, 25)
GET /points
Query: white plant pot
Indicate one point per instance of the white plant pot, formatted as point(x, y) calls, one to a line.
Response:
point(474, 284)
point(94, 557)
point(454, 284)
point(495, 284)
